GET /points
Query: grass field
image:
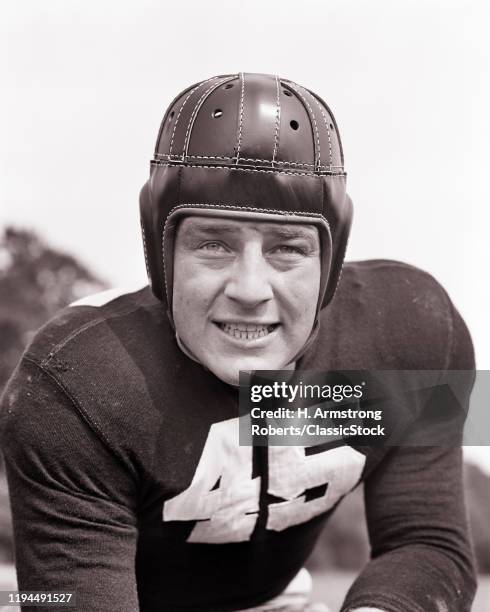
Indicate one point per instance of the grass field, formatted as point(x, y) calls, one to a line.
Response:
point(328, 587)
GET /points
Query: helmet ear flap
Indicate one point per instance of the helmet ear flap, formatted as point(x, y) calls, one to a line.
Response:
point(340, 235)
point(154, 266)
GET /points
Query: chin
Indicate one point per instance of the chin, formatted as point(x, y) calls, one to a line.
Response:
point(230, 372)
point(230, 378)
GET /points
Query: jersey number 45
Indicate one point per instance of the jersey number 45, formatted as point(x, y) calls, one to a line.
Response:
point(224, 498)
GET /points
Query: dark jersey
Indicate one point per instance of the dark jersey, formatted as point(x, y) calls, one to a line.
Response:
point(128, 484)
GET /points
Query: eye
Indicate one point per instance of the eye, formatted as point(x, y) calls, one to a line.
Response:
point(287, 249)
point(213, 247)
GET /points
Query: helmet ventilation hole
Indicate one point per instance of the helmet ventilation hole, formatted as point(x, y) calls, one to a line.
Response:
point(331, 126)
point(217, 113)
point(286, 92)
point(228, 86)
point(294, 124)
point(171, 116)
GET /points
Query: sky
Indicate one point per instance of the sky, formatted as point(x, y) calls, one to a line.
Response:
point(85, 86)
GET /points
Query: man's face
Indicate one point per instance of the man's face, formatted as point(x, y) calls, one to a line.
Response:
point(245, 292)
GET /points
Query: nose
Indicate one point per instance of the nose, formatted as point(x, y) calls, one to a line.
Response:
point(249, 282)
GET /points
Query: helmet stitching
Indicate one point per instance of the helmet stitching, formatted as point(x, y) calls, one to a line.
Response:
point(182, 107)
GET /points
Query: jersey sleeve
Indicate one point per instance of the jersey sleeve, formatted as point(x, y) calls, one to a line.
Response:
point(73, 504)
point(421, 556)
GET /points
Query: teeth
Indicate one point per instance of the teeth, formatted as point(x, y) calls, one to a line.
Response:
point(243, 331)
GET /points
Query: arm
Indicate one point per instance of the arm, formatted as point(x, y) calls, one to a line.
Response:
point(72, 503)
point(421, 558)
point(421, 555)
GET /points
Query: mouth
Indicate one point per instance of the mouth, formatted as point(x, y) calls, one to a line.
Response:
point(247, 331)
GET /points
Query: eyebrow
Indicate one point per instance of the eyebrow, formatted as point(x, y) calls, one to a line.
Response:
point(287, 233)
point(283, 233)
point(212, 230)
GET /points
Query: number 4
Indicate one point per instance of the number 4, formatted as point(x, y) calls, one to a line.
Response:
point(223, 493)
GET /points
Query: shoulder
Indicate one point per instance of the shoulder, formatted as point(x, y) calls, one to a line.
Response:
point(95, 356)
point(88, 319)
point(47, 443)
point(396, 315)
point(384, 280)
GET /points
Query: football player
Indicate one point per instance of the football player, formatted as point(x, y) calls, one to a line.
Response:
point(120, 425)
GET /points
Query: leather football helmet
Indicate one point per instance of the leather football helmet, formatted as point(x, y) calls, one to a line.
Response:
point(240, 145)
